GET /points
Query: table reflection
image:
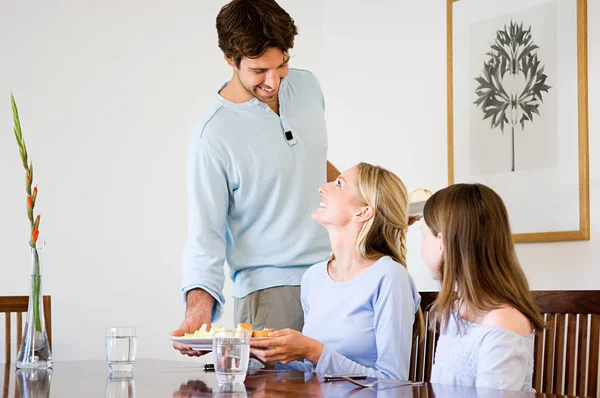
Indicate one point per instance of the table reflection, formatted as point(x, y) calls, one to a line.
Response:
point(33, 383)
point(120, 385)
point(198, 388)
point(159, 379)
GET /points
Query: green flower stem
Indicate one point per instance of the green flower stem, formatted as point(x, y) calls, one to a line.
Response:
point(37, 279)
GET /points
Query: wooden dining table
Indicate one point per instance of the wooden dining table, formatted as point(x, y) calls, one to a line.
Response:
point(153, 378)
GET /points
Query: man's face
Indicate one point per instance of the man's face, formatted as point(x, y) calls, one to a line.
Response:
point(262, 76)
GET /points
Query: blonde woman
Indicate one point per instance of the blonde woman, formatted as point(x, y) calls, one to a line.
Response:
point(360, 305)
point(486, 311)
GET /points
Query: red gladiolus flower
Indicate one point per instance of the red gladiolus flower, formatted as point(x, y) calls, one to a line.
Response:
point(35, 190)
point(35, 235)
point(30, 202)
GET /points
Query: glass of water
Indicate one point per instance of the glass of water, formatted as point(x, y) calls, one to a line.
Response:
point(121, 347)
point(231, 350)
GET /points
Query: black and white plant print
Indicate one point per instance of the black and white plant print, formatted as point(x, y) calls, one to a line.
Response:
point(511, 86)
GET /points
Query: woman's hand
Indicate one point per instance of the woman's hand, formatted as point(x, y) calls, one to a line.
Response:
point(287, 345)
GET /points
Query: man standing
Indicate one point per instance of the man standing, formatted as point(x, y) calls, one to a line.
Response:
point(255, 163)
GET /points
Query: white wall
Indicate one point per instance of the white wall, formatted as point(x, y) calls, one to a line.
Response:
point(108, 93)
point(383, 71)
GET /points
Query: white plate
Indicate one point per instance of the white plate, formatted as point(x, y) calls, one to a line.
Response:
point(416, 208)
point(204, 343)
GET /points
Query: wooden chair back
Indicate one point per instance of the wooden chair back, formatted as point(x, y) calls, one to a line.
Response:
point(423, 348)
point(566, 352)
point(18, 305)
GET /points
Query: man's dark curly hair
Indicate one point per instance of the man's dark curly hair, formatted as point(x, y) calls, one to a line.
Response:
point(248, 28)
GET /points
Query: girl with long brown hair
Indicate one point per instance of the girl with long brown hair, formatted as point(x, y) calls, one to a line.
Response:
point(485, 310)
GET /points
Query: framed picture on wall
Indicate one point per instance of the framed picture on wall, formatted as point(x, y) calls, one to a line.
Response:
point(517, 110)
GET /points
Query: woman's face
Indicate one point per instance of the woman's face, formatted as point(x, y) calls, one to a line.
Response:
point(339, 200)
point(432, 250)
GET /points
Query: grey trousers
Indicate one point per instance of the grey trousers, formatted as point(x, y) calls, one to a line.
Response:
point(277, 307)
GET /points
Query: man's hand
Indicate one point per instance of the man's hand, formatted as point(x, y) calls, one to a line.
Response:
point(287, 346)
point(198, 312)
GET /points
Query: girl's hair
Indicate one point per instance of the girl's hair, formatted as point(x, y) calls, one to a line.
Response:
point(479, 266)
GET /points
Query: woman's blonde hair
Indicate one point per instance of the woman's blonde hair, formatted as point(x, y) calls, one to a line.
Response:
point(479, 265)
point(385, 233)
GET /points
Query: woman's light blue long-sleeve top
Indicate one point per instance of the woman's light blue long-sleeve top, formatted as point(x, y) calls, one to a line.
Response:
point(365, 324)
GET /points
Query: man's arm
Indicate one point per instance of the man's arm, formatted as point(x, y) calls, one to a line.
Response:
point(208, 201)
point(332, 172)
point(204, 252)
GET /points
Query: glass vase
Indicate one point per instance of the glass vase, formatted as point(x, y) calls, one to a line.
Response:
point(34, 351)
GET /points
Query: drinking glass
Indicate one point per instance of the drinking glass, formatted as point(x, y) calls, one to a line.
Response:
point(231, 349)
point(121, 347)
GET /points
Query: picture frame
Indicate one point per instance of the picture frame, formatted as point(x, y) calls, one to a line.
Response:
point(518, 111)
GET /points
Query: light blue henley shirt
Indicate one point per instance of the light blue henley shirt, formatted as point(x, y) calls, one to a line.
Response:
point(251, 191)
